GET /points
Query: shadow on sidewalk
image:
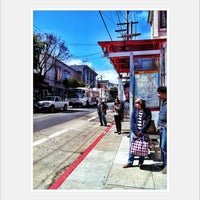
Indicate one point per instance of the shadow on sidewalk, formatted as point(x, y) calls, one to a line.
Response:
point(152, 167)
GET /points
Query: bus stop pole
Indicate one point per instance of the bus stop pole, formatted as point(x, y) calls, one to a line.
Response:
point(132, 87)
point(120, 89)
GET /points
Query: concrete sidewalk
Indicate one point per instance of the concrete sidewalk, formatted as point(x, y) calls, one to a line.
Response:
point(102, 167)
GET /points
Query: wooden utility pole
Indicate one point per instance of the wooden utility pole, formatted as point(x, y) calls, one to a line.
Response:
point(129, 29)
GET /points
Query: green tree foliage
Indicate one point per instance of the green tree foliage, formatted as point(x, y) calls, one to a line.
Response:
point(37, 50)
point(73, 83)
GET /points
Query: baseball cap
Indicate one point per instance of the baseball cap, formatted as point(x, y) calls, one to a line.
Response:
point(139, 100)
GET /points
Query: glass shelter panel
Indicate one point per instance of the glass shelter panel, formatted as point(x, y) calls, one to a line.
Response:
point(147, 63)
point(146, 84)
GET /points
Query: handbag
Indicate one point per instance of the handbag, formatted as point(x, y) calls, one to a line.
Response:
point(139, 147)
point(152, 127)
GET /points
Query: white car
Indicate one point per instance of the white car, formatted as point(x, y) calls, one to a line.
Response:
point(52, 103)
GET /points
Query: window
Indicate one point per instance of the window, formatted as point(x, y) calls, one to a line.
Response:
point(57, 74)
point(163, 19)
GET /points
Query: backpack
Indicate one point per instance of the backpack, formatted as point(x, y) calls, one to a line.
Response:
point(105, 108)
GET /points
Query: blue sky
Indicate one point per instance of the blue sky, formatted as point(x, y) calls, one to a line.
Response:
point(82, 29)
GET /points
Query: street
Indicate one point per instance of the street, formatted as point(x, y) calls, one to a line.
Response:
point(59, 139)
point(44, 120)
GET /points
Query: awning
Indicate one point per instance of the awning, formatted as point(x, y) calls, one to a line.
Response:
point(122, 63)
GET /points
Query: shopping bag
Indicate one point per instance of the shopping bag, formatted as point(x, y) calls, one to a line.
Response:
point(139, 147)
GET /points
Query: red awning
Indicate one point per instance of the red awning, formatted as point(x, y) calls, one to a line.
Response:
point(122, 64)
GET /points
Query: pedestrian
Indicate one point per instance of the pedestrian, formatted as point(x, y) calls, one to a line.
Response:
point(126, 106)
point(126, 101)
point(162, 125)
point(117, 115)
point(140, 122)
point(101, 110)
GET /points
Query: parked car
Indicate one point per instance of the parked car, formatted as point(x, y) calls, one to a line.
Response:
point(52, 103)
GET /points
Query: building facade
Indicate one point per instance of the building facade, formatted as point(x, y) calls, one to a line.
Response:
point(158, 22)
point(88, 76)
point(52, 79)
point(51, 82)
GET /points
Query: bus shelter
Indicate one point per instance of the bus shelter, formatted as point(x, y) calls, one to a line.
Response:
point(141, 64)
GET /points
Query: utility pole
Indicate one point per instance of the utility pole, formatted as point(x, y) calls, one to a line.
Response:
point(100, 84)
point(129, 28)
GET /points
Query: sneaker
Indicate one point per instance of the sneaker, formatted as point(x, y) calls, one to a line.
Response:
point(164, 171)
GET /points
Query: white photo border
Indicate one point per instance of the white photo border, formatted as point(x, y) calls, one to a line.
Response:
point(16, 98)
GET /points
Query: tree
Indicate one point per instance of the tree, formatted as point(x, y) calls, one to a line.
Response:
point(47, 50)
point(37, 50)
point(73, 83)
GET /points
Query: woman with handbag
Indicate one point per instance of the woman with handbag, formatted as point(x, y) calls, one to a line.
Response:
point(140, 122)
point(118, 115)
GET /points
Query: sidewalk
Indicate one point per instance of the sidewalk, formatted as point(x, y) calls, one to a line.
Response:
point(102, 167)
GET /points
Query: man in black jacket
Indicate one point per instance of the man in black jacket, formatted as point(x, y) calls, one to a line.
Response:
point(101, 110)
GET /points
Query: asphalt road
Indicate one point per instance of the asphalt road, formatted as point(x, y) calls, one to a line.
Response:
point(44, 120)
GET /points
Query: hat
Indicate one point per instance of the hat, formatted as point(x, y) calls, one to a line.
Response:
point(139, 100)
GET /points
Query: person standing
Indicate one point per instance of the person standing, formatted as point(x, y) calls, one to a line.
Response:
point(162, 125)
point(126, 108)
point(117, 115)
point(101, 110)
point(140, 122)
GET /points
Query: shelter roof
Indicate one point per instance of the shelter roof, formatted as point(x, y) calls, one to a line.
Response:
point(122, 63)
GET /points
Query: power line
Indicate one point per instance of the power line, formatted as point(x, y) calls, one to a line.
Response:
point(36, 27)
point(105, 25)
point(90, 54)
point(81, 44)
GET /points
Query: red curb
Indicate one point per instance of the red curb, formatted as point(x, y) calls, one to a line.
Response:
point(64, 176)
